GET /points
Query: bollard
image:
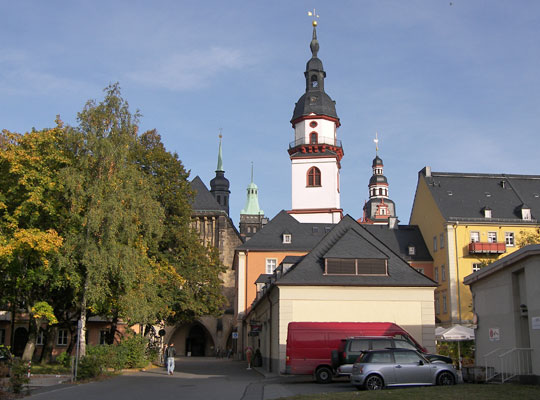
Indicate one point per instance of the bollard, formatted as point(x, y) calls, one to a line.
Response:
point(29, 367)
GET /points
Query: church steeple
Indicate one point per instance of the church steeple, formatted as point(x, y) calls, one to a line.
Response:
point(379, 208)
point(251, 217)
point(315, 152)
point(219, 186)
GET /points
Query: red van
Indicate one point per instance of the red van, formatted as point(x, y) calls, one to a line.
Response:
point(310, 344)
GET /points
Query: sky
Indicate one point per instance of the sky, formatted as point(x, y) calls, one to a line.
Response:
point(454, 85)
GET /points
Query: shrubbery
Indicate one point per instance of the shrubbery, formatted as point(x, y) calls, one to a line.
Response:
point(131, 352)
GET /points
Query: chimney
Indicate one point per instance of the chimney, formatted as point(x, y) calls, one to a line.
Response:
point(428, 171)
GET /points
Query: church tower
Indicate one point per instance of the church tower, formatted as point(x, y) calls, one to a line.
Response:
point(251, 217)
point(219, 186)
point(379, 209)
point(315, 152)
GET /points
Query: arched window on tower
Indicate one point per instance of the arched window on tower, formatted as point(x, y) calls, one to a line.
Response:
point(314, 177)
point(313, 138)
point(314, 81)
point(380, 192)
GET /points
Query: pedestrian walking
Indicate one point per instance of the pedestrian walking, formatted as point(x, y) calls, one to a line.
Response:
point(170, 352)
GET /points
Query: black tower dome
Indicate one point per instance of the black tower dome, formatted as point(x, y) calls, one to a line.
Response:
point(315, 100)
point(219, 186)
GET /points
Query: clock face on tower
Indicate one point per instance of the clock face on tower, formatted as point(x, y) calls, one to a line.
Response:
point(313, 99)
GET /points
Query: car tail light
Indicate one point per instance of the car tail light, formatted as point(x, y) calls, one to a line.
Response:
point(344, 355)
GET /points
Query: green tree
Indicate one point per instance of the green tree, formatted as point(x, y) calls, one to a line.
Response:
point(527, 237)
point(30, 211)
point(190, 283)
point(115, 220)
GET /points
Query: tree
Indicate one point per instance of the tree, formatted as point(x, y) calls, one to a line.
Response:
point(30, 211)
point(190, 284)
point(527, 237)
point(115, 220)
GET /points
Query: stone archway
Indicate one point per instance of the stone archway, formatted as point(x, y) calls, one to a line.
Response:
point(196, 341)
point(19, 341)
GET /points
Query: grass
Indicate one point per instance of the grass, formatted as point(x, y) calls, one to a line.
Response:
point(50, 369)
point(460, 392)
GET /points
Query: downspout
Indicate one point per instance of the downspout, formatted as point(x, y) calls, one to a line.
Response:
point(457, 272)
point(270, 335)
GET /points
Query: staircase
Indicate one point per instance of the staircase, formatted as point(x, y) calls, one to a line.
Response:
point(503, 365)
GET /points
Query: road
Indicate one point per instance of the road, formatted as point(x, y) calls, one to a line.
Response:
point(194, 378)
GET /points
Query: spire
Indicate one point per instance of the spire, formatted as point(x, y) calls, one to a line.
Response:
point(219, 186)
point(252, 201)
point(219, 159)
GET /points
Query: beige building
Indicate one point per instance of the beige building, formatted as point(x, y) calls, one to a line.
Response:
point(506, 300)
point(349, 275)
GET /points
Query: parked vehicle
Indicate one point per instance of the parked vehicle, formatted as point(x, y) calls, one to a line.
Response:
point(376, 369)
point(310, 344)
point(351, 348)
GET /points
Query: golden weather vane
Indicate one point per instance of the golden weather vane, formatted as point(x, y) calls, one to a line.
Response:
point(376, 140)
point(314, 15)
point(220, 133)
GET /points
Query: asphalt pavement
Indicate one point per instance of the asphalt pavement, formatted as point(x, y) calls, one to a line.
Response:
point(195, 378)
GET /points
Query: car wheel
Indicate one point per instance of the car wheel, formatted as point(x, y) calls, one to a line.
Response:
point(446, 378)
point(323, 375)
point(374, 382)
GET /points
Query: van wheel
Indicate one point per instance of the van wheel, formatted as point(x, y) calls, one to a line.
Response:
point(323, 375)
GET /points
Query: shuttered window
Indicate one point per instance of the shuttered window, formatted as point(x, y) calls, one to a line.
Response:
point(352, 266)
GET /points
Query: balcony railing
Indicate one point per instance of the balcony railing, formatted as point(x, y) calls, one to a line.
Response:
point(491, 248)
point(321, 140)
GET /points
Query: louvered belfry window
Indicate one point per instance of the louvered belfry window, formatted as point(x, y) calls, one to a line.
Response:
point(355, 266)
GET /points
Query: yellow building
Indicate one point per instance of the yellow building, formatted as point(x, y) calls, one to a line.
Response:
point(468, 221)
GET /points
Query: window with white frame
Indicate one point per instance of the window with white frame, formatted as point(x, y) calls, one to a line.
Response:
point(437, 306)
point(287, 238)
point(444, 308)
point(475, 237)
point(271, 264)
point(509, 238)
point(40, 339)
point(412, 250)
point(476, 267)
point(436, 276)
point(421, 270)
point(443, 273)
point(2, 336)
point(62, 339)
point(492, 237)
point(441, 241)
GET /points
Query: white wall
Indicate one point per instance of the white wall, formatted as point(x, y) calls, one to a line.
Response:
point(325, 196)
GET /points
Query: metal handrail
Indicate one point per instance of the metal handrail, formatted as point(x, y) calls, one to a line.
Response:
point(491, 353)
point(512, 366)
point(320, 140)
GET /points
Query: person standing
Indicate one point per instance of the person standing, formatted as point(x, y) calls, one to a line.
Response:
point(170, 352)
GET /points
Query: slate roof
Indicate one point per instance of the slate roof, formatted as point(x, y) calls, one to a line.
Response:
point(304, 236)
point(399, 240)
point(203, 201)
point(348, 238)
point(463, 196)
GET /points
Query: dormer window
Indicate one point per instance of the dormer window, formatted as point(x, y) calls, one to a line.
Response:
point(287, 238)
point(526, 214)
point(412, 250)
point(355, 266)
point(487, 212)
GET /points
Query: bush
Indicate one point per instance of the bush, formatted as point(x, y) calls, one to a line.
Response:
point(64, 359)
point(90, 366)
point(19, 375)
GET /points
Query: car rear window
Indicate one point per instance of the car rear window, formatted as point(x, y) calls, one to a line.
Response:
point(359, 345)
point(380, 358)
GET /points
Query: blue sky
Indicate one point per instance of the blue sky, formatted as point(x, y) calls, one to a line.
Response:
point(453, 85)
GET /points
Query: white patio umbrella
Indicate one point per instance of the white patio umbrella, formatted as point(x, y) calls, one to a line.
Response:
point(456, 333)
